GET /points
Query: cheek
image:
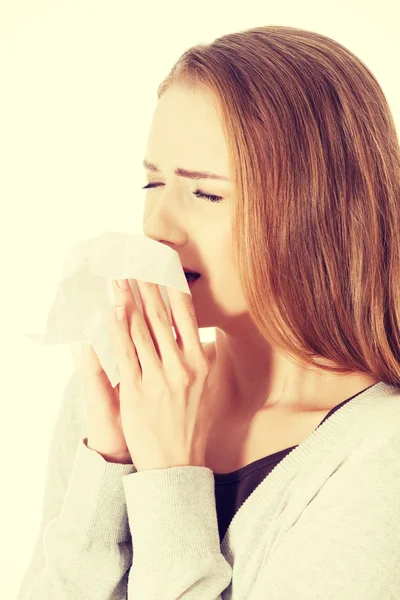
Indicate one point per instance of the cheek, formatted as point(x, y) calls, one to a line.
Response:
point(227, 288)
point(227, 282)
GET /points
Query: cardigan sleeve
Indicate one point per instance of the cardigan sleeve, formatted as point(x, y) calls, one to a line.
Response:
point(83, 549)
point(346, 542)
point(176, 547)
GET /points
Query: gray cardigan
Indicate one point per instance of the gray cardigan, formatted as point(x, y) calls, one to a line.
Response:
point(323, 523)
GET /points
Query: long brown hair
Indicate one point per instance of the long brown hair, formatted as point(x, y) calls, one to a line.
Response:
point(315, 165)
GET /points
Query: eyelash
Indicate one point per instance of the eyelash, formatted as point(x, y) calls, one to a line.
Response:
point(197, 193)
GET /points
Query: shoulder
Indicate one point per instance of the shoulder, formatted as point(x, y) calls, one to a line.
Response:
point(384, 409)
point(377, 424)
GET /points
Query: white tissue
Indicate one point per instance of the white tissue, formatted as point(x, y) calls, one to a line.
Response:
point(84, 299)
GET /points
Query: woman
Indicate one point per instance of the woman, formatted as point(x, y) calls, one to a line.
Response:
point(296, 241)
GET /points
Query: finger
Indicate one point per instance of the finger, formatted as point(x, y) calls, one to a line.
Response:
point(158, 324)
point(136, 338)
point(185, 324)
point(124, 350)
point(89, 361)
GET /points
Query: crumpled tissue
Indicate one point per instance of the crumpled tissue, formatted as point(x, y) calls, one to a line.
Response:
point(84, 298)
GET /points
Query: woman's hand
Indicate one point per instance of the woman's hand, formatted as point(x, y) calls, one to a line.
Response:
point(163, 382)
point(101, 407)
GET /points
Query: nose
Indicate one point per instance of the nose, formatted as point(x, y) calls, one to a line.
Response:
point(161, 224)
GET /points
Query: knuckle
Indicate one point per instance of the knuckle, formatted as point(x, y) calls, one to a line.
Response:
point(203, 367)
point(139, 328)
point(160, 314)
point(184, 382)
point(154, 383)
point(185, 377)
point(198, 369)
point(126, 353)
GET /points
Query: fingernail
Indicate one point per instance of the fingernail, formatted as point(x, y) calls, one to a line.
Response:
point(123, 284)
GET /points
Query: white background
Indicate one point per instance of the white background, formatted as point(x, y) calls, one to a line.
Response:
point(78, 83)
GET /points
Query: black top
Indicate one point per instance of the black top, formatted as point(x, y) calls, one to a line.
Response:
point(232, 489)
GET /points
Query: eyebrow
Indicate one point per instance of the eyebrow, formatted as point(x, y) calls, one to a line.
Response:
point(185, 173)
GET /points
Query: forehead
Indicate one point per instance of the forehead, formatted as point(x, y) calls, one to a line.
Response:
point(186, 132)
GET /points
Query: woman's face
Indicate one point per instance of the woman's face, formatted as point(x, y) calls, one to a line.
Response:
point(186, 133)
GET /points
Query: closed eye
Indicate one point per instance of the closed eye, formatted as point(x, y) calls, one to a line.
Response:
point(197, 193)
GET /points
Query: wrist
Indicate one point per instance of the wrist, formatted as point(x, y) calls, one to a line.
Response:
point(119, 457)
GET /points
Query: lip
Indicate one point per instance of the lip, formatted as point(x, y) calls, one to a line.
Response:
point(187, 270)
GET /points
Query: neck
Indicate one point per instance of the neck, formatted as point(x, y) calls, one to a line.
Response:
point(247, 375)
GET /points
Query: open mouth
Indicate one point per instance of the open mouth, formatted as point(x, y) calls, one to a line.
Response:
point(191, 278)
